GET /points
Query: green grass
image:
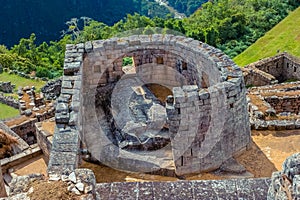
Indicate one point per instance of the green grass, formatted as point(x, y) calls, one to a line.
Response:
point(285, 36)
point(7, 111)
point(20, 81)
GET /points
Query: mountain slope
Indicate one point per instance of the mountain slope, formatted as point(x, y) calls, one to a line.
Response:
point(46, 18)
point(285, 36)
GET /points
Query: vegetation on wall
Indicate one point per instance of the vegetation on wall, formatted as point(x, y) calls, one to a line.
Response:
point(231, 25)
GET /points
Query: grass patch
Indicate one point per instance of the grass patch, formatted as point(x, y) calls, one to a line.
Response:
point(285, 36)
point(7, 112)
point(20, 81)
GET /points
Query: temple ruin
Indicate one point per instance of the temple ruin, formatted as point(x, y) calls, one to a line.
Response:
point(110, 112)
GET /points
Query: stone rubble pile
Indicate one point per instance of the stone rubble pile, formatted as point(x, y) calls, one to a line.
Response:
point(81, 182)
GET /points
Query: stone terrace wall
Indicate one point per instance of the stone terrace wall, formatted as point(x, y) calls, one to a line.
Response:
point(256, 189)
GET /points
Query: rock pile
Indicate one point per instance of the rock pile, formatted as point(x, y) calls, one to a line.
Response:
point(81, 182)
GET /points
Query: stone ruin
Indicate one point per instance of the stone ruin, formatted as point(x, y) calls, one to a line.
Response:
point(275, 107)
point(274, 101)
point(111, 114)
point(278, 69)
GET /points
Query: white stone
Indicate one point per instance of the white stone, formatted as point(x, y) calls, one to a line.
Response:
point(64, 178)
point(88, 189)
point(72, 177)
point(70, 187)
point(54, 177)
point(75, 191)
point(30, 190)
point(80, 186)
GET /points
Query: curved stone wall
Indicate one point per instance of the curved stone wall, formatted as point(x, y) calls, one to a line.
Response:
point(206, 122)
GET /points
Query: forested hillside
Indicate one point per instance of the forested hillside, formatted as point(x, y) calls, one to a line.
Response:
point(187, 7)
point(285, 36)
point(231, 25)
point(47, 18)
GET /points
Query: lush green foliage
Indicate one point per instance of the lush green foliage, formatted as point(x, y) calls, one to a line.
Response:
point(283, 37)
point(186, 6)
point(7, 111)
point(46, 18)
point(46, 60)
point(231, 25)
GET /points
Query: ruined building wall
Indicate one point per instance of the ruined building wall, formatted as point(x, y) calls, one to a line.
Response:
point(272, 70)
point(26, 130)
point(291, 67)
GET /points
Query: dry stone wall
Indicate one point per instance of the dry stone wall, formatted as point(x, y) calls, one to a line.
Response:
point(8, 100)
point(208, 122)
point(6, 87)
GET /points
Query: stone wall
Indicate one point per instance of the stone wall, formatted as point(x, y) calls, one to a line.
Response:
point(193, 128)
point(65, 151)
point(255, 189)
point(26, 130)
point(44, 140)
point(199, 136)
point(6, 87)
point(8, 100)
point(285, 104)
point(256, 77)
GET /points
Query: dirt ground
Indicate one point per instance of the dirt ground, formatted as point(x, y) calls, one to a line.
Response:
point(266, 155)
point(45, 190)
point(32, 166)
